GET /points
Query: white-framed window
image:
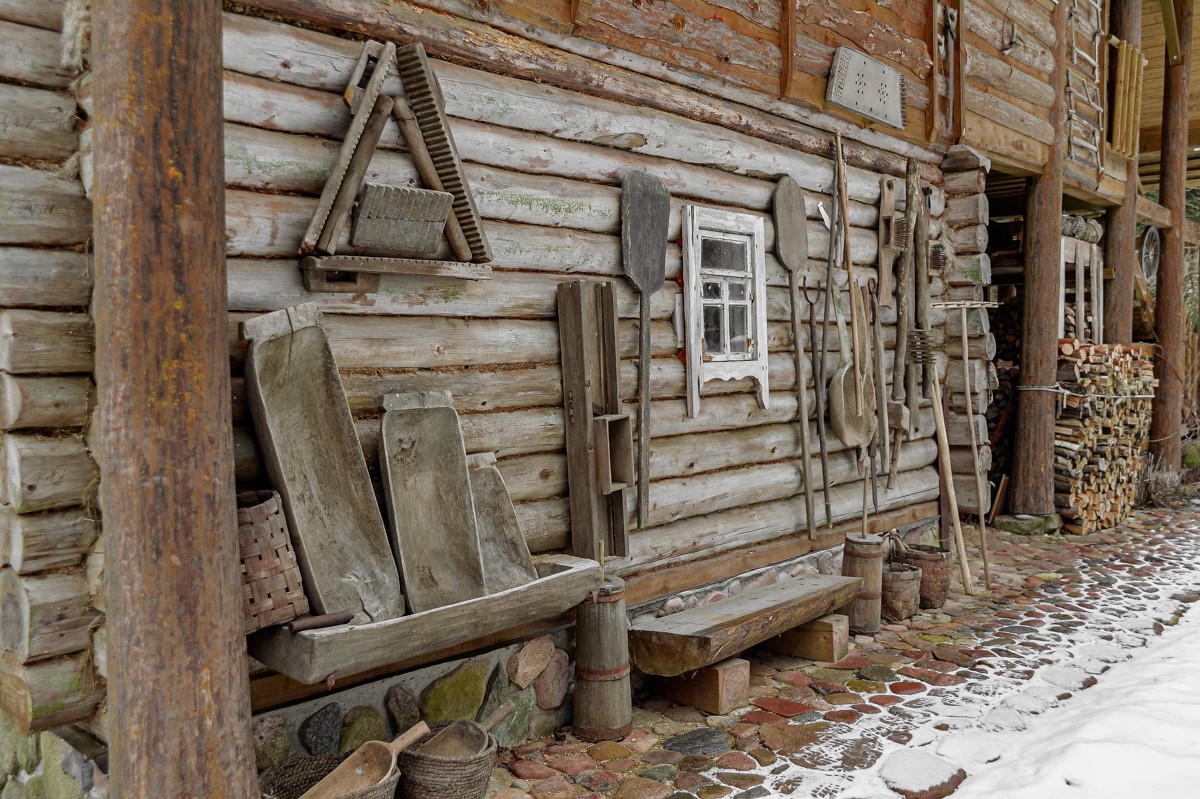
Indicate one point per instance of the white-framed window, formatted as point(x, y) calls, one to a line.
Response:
point(725, 300)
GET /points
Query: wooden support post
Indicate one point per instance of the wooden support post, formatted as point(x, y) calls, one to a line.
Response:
point(718, 688)
point(1169, 366)
point(1121, 237)
point(178, 694)
point(826, 639)
point(1033, 470)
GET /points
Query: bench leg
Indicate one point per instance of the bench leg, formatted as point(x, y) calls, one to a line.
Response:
point(718, 688)
point(826, 639)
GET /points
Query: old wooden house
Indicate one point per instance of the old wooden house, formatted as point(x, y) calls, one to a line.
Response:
point(160, 168)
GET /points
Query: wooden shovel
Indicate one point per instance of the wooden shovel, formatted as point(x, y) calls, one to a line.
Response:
point(645, 214)
point(791, 245)
point(465, 738)
point(370, 764)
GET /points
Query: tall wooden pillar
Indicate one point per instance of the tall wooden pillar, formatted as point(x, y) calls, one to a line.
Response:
point(178, 696)
point(1169, 325)
point(1033, 455)
point(1121, 236)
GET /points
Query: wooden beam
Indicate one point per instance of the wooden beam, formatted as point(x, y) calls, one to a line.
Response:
point(1169, 364)
point(1033, 469)
point(178, 696)
point(1176, 39)
point(787, 46)
point(1151, 213)
point(1120, 249)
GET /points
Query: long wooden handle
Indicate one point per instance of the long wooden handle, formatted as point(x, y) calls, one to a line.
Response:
point(979, 481)
point(939, 421)
point(347, 192)
point(644, 412)
point(428, 173)
point(802, 405)
point(408, 737)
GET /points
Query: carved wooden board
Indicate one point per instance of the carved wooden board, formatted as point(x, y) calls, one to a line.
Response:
point(424, 467)
point(315, 462)
point(506, 560)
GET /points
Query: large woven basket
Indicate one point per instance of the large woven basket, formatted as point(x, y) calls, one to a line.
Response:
point(295, 776)
point(431, 777)
point(272, 591)
point(934, 563)
point(901, 592)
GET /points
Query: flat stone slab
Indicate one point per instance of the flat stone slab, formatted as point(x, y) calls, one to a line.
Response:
point(1029, 525)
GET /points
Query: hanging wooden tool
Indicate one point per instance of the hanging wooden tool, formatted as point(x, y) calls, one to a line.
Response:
point(920, 350)
point(598, 432)
point(818, 389)
point(893, 238)
point(791, 246)
point(848, 262)
point(645, 215)
point(899, 416)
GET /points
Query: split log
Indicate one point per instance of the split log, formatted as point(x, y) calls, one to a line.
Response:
point(45, 473)
point(48, 694)
point(43, 402)
point(37, 542)
point(53, 278)
point(44, 342)
point(38, 207)
point(36, 123)
point(45, 615)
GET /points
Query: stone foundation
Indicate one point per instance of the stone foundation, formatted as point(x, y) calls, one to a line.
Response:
point(44, 766)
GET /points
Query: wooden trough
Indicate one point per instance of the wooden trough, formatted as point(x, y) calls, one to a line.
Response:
point(312, 656)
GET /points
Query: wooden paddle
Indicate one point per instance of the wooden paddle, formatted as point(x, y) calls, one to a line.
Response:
point(645, 214)
point(369, 765)
point(465, 738)
point(791, 246)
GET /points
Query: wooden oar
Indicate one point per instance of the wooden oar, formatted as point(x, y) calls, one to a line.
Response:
point(645, 215)
point(791, 246)
point(370, 764)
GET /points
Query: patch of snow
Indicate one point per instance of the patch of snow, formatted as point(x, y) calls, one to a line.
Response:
point(916, 770)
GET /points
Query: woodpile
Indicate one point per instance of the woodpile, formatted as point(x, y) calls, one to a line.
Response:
point(1102, 431)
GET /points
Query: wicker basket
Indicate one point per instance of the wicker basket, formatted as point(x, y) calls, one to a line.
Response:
point(901, 591)
point(432, 777)
point(272, 592)
point(292, 778)
point(934, 563)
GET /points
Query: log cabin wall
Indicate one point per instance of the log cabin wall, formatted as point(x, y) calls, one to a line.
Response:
point(52, 602)
point(545, 160)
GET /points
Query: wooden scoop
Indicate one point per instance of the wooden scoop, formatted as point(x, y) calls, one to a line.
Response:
point(465, 738)
point(370, 764)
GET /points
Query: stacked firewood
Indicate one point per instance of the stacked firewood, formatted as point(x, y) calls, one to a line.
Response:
point(1071, 325)
point(1001, 418)
point(1102, 431)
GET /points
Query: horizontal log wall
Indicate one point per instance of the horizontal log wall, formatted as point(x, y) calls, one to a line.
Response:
point(47, 676)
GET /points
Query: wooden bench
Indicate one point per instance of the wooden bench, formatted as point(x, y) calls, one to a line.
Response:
point(692, 639)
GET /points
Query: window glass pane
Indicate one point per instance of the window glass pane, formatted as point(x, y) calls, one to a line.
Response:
point(714, 336)
point(712, 290)
point(739, 328)
point(722, 254)
point(738, 291)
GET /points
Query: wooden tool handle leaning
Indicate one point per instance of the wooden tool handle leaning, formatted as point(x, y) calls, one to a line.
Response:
point(409, 737)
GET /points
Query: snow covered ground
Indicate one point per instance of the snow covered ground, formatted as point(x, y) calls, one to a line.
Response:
point(1136, 733)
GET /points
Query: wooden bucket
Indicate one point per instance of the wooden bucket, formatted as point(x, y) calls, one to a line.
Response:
point(863, 557)
point(901, 591)
point(603, 702)
point(934, 563)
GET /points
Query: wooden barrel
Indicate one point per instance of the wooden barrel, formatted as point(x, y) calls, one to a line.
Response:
point(863, 557)
point(603, 703)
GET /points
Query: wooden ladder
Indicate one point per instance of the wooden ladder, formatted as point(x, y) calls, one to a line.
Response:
point(1085, 136)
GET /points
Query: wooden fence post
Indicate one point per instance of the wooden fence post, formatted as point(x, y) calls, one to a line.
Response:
point(178, 694)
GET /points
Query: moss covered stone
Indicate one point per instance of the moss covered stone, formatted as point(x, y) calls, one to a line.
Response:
point(457, 695)
point(363, 723)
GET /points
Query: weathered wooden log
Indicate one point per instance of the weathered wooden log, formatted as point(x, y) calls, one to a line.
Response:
point(43, 402)
point(44, 342)
point(972, 269)
point(54, 278)
point(43, 473)
point(47, 14)
point(969, 183)
point(50, 693)
point(36, 123)
point(979, 347)
point(1037, 35)
point(45, 615)
point(35, 542)
point(603, 703)
point(42, 208)
point(1003, 78)
point(31, 55)
point(968, 495)
point(971, 239)
point(966, 211)
point(100, 650)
